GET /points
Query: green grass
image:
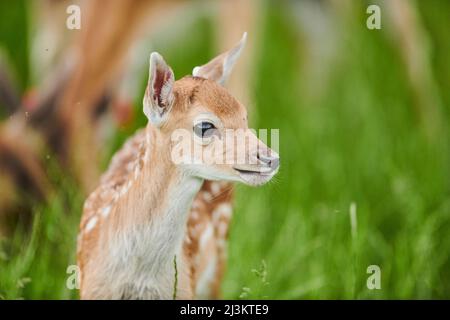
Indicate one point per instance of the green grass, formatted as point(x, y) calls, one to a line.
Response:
point(33, 264)
point(350, 134)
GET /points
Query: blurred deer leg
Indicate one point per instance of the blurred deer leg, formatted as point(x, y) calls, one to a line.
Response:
point(411, 37)
point(235, 18)
point(22, 174)
point(103, 43)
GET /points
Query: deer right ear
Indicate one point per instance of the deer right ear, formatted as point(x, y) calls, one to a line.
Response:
point(219, 68)
point(159, 96)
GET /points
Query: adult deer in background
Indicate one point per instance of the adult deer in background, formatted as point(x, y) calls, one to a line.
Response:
point(150, 210)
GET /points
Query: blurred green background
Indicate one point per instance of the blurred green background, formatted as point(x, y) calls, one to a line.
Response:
point(356, 127)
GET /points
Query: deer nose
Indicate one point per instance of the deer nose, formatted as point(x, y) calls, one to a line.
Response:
point(272, 162)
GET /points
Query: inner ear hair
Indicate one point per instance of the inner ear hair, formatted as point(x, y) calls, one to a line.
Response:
point(159, 95)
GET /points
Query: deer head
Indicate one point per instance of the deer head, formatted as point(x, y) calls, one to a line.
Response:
point(204, 125)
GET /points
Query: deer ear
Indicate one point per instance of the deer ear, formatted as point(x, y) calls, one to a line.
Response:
point(159, 96)
point(219, 68)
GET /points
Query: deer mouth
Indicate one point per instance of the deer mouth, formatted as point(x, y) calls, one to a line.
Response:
point(254, 171)
point(255, 176)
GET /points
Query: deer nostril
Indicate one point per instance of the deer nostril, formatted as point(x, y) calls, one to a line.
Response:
point(272, 162)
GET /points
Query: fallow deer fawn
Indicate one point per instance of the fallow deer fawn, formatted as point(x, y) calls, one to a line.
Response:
point(149, 210)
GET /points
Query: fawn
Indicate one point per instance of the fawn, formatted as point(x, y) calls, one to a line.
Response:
point(152, 217)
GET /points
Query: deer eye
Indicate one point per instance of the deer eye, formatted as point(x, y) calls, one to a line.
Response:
point(204, 129)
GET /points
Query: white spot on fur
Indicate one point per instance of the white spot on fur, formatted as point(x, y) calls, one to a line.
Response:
point(207, 196)
point(206, 235)
point(91, 224)
point(223, 210)
point(195, 230)
point(125, 189)
point(106, 211)
point(215, 188)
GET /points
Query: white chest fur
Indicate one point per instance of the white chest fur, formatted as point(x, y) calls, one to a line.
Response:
point(140, 259)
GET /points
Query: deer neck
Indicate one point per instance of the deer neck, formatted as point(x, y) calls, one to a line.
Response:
point(152, 215)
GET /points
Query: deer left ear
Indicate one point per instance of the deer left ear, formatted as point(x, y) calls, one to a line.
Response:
point(159, 95)
point(219, 68)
